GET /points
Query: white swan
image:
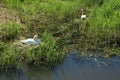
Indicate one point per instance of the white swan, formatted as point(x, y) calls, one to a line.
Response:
point(31, 41)
point(83, 16)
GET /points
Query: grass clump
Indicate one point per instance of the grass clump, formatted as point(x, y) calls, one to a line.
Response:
point(2, 47)
point(10, 31)
point(10, 59)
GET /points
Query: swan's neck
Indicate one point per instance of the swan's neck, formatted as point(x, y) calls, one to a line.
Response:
point(35, 37)
point(82, 11)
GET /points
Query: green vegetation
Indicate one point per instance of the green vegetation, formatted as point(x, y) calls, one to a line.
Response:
point(61, 28)
point(10, 31)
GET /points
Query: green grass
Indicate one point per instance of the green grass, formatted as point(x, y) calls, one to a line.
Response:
point(10, 31)
point(59, 24)
point(45, 54)
point(13, 55)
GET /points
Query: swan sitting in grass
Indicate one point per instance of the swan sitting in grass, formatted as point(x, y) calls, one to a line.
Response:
point(83, 16)
point(31, 41)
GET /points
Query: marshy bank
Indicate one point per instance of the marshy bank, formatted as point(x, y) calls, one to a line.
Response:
point(61, 29)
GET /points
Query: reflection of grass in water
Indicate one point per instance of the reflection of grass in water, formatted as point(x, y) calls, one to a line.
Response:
point(97, 62)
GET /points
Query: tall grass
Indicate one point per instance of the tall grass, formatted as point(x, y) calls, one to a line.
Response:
point(49, 7)
point(10, 59)
point(13, 3)
point(106, 17)
point(2, 47)
point(10, 31)
point(103, 29)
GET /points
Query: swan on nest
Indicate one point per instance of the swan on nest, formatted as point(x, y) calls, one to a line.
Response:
point(31, 41)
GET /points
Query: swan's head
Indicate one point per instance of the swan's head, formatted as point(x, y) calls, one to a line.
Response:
point(82, 10)
point(35, 37)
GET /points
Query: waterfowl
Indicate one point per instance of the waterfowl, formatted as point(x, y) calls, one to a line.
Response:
point(83, 16)
point(31, 41)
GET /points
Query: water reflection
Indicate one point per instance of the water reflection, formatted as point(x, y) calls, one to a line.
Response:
point(73, 68)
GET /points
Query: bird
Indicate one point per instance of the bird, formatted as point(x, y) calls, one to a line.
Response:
point(31, 41)
point(83, 16)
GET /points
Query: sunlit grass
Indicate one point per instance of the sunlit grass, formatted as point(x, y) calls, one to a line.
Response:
point(10, 31)
point(60, 25)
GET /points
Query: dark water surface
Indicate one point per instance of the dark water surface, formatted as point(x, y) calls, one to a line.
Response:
point(73, 68)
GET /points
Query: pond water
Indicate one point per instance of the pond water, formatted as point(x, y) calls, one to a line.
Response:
point(72, 68)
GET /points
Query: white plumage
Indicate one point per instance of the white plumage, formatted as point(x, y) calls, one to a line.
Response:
point(31, 41)
point(83, 16)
